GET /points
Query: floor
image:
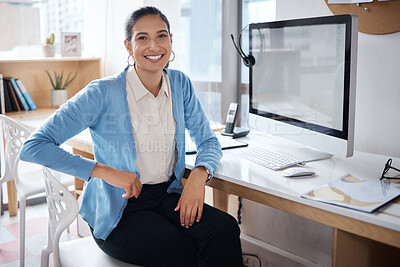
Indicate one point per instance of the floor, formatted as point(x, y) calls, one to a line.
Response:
point(36, 236)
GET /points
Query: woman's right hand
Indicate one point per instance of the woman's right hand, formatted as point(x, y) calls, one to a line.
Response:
point(122, 179)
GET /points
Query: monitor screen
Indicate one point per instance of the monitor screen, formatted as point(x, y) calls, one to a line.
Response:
point(303, 75)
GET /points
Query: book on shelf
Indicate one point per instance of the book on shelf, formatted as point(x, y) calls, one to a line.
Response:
point(2, 103)
point(15, 97)
point(12, 96)
point(24, 105)
point(7, 98)
point(26, 95)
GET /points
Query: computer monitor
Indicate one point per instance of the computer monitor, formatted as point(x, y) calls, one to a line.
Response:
point(302, 86)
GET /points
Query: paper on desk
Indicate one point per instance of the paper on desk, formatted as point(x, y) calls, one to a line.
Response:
point(225, 141)
point(356, 193)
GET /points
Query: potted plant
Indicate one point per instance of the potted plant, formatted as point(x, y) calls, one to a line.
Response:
point(49, 49)
point(59, 93)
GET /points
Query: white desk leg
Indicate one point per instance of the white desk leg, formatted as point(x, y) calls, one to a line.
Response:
point(353, 250)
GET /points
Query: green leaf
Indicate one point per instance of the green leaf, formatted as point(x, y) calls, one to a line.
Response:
point(58, 79)
point(50, 39)
point(51, 80)
point(61, 79)
point(68, 81)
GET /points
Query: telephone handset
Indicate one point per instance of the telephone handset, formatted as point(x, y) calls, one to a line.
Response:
point(231, 117)
point(230, 129)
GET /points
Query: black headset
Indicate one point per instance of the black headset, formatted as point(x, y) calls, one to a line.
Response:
point(249, 60)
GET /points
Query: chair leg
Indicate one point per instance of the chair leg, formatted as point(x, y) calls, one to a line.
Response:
point(22, 211)
point(44, 257)
point(1, 199)
point(45, 254)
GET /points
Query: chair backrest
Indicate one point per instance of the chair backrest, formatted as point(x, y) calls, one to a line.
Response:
point(63, 209)
point(14, 137)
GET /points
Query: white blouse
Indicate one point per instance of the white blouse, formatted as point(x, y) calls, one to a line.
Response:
point(153, 128)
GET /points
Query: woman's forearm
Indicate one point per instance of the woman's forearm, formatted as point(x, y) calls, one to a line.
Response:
point(128, 181)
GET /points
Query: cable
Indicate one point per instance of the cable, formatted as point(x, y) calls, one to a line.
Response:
point(248, 60)
point(240, 38)
point(253, 255)
point(239, 210)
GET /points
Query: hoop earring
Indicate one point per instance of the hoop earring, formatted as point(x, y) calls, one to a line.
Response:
point(129, 61)
point(173, 53)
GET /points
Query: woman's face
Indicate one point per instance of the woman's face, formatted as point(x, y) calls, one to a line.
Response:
point(151, 44)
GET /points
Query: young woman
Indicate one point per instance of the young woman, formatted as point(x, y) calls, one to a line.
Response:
point(134, 200)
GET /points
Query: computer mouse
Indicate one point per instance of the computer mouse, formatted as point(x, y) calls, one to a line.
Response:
point(298, 172)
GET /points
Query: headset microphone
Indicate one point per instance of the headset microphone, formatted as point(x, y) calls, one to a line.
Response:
point(249, 60)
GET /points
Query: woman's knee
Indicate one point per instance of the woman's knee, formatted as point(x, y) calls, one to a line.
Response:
point(220, 246)
point(229, 225)
point(221, 225)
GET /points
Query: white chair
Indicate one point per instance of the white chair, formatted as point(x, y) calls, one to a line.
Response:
point(63, 209)
point(14, 136)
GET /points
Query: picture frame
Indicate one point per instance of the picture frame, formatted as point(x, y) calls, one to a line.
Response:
point(71, 44)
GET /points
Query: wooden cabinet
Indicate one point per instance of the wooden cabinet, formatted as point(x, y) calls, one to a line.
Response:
point(33, 75)
point(374, 17)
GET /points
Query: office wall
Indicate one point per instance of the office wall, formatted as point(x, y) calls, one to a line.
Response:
point(377, 121)
point(376, 130)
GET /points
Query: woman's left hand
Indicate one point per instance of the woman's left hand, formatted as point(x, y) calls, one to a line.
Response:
point(192, 199)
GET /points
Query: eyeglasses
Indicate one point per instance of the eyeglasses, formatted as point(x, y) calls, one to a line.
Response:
point(388, 166)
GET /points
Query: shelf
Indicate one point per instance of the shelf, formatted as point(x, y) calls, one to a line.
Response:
point(47, 59)
point(32, 73)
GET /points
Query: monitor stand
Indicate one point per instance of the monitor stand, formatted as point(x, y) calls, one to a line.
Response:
point(296, 150)
point(307, 154)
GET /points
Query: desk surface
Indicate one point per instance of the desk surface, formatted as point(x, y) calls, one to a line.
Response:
point(252, 176)
point(252, 181)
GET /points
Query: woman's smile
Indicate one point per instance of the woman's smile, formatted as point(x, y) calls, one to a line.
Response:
point(154, 58)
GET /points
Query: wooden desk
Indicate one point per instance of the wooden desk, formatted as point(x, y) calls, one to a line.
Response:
point(359, 239)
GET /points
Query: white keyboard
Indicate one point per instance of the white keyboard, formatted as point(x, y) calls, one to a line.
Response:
point(270, 159)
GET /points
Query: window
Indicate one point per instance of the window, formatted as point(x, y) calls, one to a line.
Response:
point(253, 11)
point(200, 47)
point(34, 20)
point(199, 51)
point(61, 16)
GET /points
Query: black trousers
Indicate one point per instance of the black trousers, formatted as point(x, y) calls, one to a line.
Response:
point(150, 234)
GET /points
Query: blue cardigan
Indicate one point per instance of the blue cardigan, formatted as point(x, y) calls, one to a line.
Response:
point(103, 108)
